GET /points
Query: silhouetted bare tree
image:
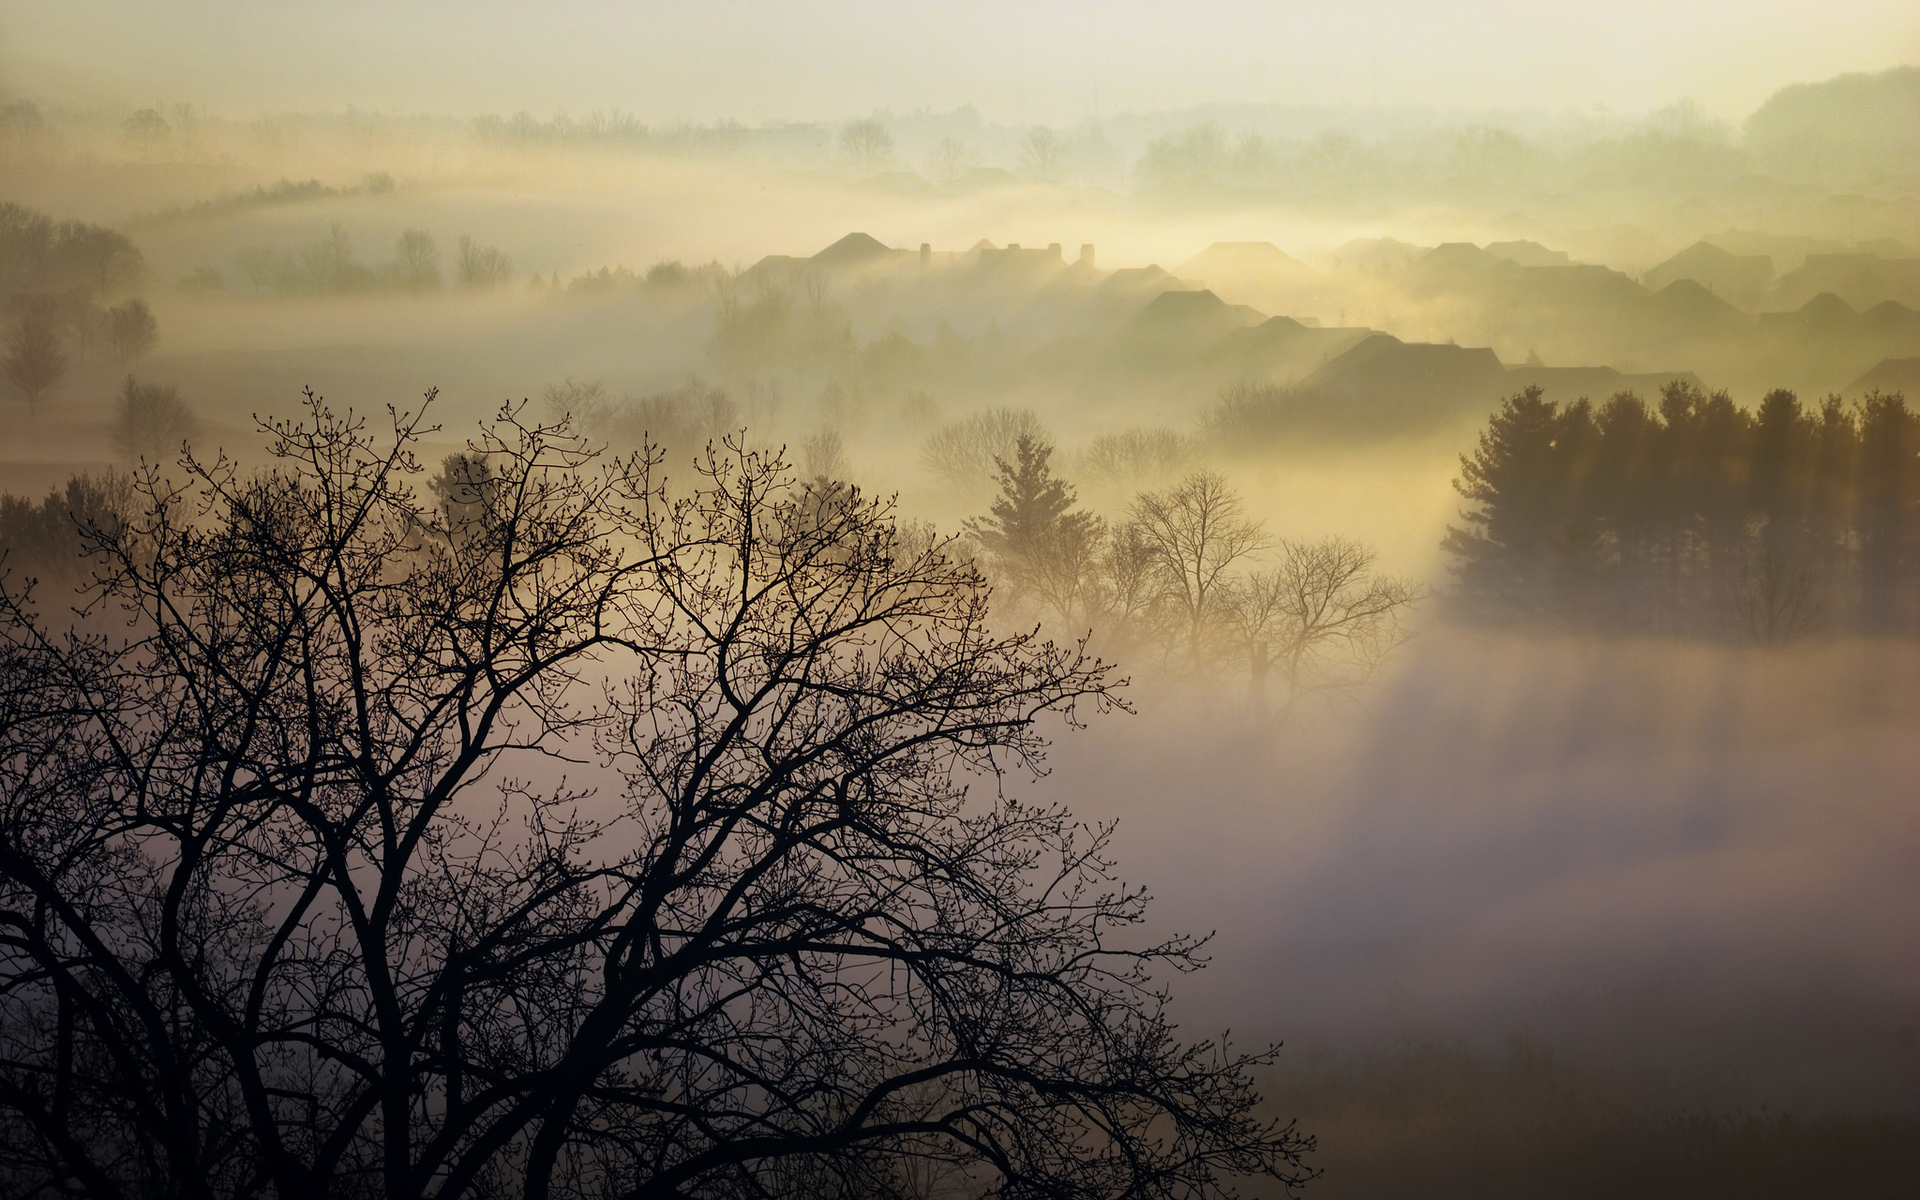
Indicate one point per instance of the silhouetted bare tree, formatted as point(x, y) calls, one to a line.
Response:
point(295, 899)
point(1042, 153)
point(952, 159)
point(1323, 616)
point(967, 452)
point(1778, 601)
point(151, 421)
point(1193, 534)
point(35, 360)
point(416, 260)
point(482, 266)
point(867, 144)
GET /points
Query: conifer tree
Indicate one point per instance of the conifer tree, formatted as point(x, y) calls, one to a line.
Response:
point(1039, 544)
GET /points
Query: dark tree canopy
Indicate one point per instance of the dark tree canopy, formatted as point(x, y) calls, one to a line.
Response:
point(40, 255)
point(1694, 516)
point(561, 835)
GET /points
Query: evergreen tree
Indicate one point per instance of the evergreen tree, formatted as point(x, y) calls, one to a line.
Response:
point(1514, 479)
point(1038, 543)
point(1667, 519)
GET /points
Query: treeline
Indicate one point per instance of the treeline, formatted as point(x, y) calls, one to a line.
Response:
point(327, 265)
point(1257, 416)
point(1674, 147)
point(1694, 517)
point(611, 130)
point(283, 191)
point(56, 279)
point(41, 255)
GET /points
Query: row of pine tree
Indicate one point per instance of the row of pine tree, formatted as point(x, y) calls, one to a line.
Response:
point(1694, 517)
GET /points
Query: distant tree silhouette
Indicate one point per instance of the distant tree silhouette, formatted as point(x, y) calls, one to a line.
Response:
point(203, 281)
point(952, 159)
point(44, 544)
point(131, 331)
point(967, 452)
point(145, 129)
point(867, 144)
point(1042, 153)
point(263, 266)
point(100, 259)
point(564, 836)
point(1136, 456)
point(41, 257)
point(1779, 603)
point(482, 266)
point(35, 359)
point(823, 457)
point(417, 260)
point(151, 422)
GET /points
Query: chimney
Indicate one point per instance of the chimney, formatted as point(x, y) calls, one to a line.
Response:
point(1013, 247)
point(1086, 255)
point(926, 253)
point(1053, 248)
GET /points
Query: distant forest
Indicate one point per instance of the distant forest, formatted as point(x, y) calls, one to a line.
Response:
point(1693, 516)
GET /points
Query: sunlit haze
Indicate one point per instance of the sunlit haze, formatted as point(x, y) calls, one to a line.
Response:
point(778, 601)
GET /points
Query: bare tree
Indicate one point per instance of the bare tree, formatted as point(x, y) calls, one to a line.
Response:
point(867, 144)
point(482, 266)
point(580, 403)
point(823, 456)
point(1323, 616)
point(1194, 535)
point(1042, 153)
point(35, 361)
point(145, 129)
point(966, 452)
point(416, 260)
point(1136, 456)
point(151, 421)
point(1778, 601)
point(263, 266)
point(952, 159)
point(131, 331)
point(295, 899)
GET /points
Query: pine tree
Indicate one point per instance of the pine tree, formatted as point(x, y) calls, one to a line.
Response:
point(1514, 479)
point(1037, 542)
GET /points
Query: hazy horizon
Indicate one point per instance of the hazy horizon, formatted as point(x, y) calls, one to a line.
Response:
point(1049, 63)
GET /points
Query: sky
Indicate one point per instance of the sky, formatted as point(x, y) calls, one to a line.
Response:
point(1052, 61)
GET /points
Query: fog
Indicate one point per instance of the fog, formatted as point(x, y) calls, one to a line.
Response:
point(1601, 820)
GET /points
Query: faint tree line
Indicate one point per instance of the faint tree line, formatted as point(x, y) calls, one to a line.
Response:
point(546, 832)
point(327, 265)
point(1694, 516)
point(611, 129)
point(763, 324)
